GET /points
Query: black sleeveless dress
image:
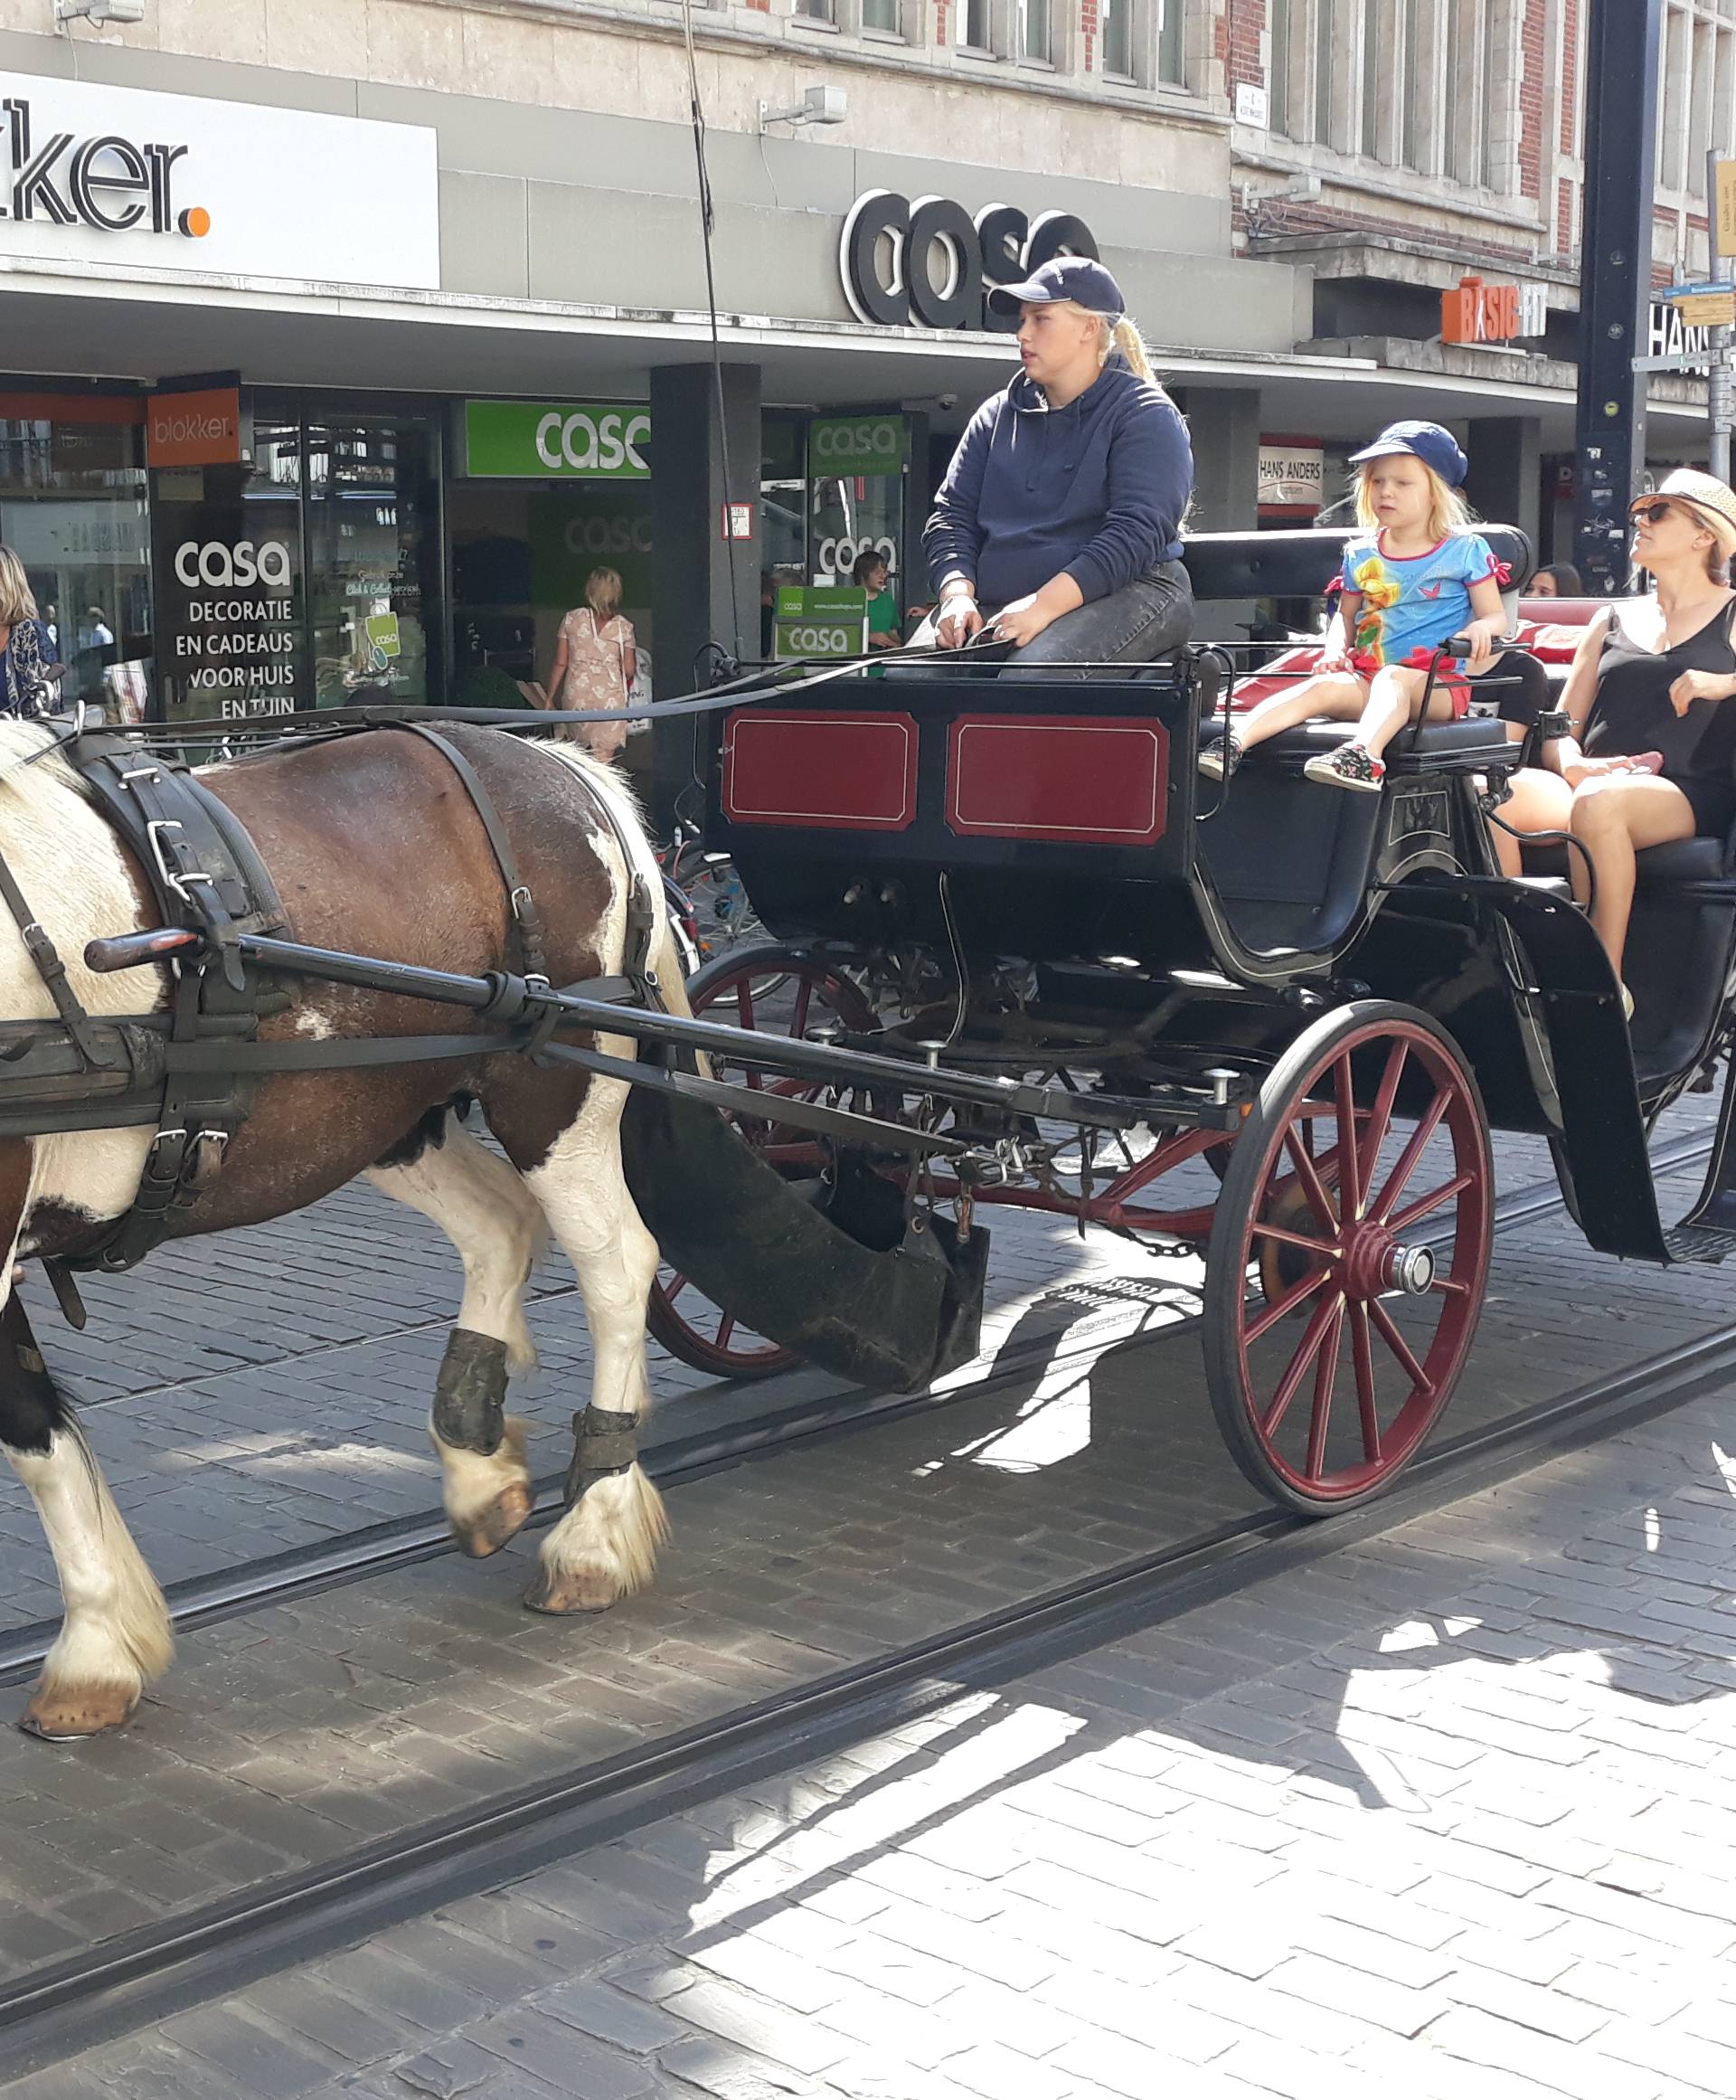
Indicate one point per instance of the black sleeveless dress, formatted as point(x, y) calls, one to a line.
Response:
point(1631, 713)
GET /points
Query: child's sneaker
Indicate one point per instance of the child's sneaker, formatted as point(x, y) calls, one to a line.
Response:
point(1220, 760)
point(1350, 766)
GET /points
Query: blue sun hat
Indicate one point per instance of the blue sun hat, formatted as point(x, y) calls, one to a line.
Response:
point(1429, 442)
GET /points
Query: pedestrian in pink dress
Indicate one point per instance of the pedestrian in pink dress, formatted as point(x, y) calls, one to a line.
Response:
point(596, 661)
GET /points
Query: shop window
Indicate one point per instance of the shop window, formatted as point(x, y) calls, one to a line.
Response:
point(372, 540)
point(73, 509)
point(857, 468)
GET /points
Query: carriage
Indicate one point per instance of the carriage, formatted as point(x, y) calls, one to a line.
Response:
point(1265, 1022)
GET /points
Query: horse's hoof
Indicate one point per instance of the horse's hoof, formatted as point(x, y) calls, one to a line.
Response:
point(567, 1595)
point(69, 1716)
point(491, 1528)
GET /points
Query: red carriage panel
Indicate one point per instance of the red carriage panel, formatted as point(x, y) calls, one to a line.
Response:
point(1079, 780)
point(822, 770)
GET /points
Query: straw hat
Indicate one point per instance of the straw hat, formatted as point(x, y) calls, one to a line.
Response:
point(1712, 501)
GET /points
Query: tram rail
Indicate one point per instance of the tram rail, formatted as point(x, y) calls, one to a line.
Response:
point(312, 1570)
point(145, 1976)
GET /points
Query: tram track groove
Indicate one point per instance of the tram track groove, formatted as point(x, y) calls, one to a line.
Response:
point(401, 1542)
point(149, 1972)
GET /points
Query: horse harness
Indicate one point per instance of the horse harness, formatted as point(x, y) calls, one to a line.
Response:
point(193, 1069)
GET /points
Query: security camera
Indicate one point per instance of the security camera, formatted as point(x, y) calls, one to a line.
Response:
point(817, 105)
point(947, 401)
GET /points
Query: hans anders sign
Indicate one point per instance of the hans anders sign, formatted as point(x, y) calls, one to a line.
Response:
point(930, 263)
point(107, 175)
point(540, 440)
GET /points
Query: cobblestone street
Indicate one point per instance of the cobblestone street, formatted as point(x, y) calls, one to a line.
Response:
point(1444, 1806)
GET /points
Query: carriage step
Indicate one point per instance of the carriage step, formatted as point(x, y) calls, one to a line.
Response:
point(1691, 1243)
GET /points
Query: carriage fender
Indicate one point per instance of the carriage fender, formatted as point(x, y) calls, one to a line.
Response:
point(1569, 991)
point(890, 1316)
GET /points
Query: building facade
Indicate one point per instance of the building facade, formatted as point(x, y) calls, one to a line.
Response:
point(344, 339)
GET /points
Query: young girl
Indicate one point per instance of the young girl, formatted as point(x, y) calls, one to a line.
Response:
point(1417, 576)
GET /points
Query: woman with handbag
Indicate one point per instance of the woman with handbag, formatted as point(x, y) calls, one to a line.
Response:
point(596, 662)
point(26, 677)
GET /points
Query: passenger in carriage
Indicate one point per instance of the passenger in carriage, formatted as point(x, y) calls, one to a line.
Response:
point(1417, 576)
point(1058, 526)
point(1652, 756)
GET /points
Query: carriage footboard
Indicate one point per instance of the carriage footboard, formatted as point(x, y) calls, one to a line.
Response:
point(752, 1242)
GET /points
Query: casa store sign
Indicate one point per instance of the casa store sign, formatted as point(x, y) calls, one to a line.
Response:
point(109, 177)
point(930, 263)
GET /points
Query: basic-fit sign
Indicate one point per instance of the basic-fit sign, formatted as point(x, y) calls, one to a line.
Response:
point(123, 175)
point(891, 249)
point(200, 429)
point(545, 440)
point(1477, 312)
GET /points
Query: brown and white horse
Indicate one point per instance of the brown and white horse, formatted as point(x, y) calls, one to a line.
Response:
point(375, 848)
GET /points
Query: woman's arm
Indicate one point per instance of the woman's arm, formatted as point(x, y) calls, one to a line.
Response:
point(952, 540)
point(558, 670)
point(1151, 482)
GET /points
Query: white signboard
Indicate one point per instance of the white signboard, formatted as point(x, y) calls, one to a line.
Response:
point(1291, 474)
point(1676, 348)
point(103, 176)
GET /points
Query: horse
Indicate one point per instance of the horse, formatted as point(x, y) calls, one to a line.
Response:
point(375, 848)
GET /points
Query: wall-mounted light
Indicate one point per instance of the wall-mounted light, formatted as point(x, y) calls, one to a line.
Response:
point(96, 11)
point(817, 105)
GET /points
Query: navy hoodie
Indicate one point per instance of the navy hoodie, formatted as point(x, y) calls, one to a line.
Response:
point(1097, 488)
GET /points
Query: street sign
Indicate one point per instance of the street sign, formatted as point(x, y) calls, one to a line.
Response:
point(1724, 224)
point(1691, 360)
point(1695, 291)
point(1715, 309)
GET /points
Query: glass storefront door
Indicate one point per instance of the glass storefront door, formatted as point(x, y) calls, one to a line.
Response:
point(73, 509)
point(372, 555)
point(856, 468)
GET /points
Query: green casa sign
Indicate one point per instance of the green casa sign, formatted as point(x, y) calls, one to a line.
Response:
point(850, 445)
point(819, 622)
point(537, 440)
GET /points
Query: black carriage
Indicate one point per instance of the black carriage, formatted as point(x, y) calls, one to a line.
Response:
point(1323, 1000)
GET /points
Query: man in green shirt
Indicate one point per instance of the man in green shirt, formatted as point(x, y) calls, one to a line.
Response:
point(870, 575)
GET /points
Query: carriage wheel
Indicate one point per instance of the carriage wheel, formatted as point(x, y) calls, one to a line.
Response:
point(1328, 1377)
point(777, 991)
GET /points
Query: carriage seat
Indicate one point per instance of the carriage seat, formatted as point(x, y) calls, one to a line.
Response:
point(1475, 744)
point(1300, 564)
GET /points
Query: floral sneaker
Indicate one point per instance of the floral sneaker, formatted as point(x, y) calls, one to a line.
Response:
point(1350, 766)
point(1220, 760)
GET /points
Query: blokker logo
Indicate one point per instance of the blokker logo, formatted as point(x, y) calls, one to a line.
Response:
point(108, 182)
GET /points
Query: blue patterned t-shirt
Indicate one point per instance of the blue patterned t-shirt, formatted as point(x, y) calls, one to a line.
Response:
point(1414, 601)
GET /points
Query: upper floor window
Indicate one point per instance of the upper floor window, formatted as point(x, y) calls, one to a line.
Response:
point(1115, 20)
point(1034, 31)
point(973, 25)
point(881, 14)
point(816, 10)
point(1429, 85)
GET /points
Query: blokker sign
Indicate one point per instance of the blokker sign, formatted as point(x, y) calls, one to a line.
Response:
point(106, 175)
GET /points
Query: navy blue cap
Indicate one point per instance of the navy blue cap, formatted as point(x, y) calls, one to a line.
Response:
point(1429, 442)
point(1078, 277)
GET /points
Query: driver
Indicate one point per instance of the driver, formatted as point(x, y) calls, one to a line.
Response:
point(1057, 526)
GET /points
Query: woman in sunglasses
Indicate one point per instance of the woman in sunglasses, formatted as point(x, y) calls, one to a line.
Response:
point(1651, 755)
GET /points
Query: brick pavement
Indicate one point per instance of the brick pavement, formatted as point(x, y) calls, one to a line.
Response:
point(1449, 1810)
point(261, 1391)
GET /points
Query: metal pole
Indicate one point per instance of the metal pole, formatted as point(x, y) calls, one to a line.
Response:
point(1621, 50)
point(1718, 388)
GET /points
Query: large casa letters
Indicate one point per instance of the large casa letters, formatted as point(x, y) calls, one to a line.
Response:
point(891, 248)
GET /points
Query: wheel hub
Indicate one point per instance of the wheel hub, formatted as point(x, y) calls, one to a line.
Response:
point(1376, 1263)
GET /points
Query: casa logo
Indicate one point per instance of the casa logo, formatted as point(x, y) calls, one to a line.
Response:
point(617, 535)
point(833, 440)
point(932, 263)
point(840, 556)
point(107, 182)
point(216, 565)
point(583, 443)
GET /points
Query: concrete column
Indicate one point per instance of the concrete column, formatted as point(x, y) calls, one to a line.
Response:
point(692, 596)
point(1505, 484)
point(1223, 425)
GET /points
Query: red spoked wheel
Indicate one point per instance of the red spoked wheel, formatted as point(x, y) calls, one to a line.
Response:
point(774, 991)
point(1366, 1285)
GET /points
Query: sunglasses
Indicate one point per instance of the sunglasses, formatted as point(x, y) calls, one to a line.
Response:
point(1653, 513)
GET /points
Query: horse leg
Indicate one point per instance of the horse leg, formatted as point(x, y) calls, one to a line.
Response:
point(605, 1547)
point(484, 1210)
point(115, 1634)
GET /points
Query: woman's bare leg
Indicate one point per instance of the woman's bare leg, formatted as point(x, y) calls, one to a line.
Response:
point(1539, 801)
point(1616, 815)
point(1338, 698)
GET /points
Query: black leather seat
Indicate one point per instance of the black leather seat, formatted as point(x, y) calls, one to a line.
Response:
point(1475, 741)
point(1301, 564)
